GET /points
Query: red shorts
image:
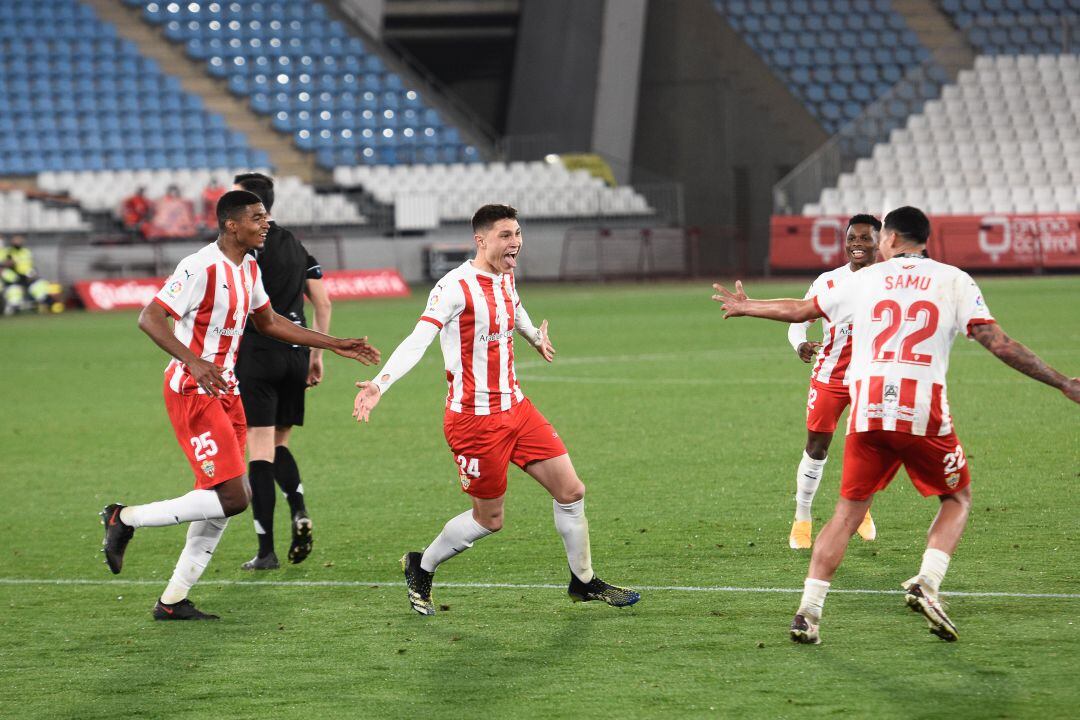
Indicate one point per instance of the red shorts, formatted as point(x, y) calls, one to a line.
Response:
point(936, 465)
point(825, 404)
point(212, 433)
point(484, 445)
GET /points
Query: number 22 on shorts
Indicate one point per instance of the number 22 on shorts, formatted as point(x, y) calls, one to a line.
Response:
point(204, 446)
point(469, 468)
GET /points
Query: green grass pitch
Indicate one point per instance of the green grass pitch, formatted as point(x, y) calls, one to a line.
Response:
point(687, 431)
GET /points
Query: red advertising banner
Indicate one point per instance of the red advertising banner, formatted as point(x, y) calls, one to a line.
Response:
point(358, 284)
point(126, 294)
point(135, 293)
point(971, 242)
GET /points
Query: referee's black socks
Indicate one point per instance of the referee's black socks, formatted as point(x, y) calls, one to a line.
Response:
point(261, 476)
point(288, 479)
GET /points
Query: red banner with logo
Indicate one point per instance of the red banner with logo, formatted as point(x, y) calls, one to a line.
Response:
point(358, 284)
point(972, 242)
point(135, 293)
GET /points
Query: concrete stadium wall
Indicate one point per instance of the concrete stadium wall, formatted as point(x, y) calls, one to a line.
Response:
point(540, 259)
point(712, 116)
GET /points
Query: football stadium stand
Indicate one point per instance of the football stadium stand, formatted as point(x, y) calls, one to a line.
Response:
point(1015, 27)
point(1003, 139)
point(296, 202)
point(19, 213)
point(829, 53)
point(80, 98)
point(326, 89)
point(539, 189)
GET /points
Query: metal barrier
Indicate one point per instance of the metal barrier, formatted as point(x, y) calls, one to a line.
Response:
point(621, 253)
point(119, 257)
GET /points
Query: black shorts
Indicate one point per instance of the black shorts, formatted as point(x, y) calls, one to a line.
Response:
point(272, 385)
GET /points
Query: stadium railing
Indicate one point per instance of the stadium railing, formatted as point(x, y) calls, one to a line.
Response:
point(590, 253)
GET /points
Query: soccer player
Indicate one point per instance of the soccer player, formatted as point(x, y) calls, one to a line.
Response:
point(209, 296)
point(906, 312)
point(488, 422)
point(828, 395)
point(273, 379)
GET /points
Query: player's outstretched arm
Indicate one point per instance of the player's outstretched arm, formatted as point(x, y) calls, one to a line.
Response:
point(401, 361)
point(789, 310)
point(536, 336)
point(320, 299)
point(153, 320)
point(1020, 358)
point(271, 324)
point(366, 400)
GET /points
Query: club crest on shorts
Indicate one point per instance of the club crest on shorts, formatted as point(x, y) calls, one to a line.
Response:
point(208, 468)
point(465, 481)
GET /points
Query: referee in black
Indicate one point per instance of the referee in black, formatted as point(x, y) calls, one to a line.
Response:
point(273, 378)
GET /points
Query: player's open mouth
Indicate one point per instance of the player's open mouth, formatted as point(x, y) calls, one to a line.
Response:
point(511, 259)
point(857, 253)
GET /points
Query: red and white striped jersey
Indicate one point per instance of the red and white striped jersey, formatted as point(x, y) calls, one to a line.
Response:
point(475, 313)
point(209, 298)
point(833, 358)
point(906, 313)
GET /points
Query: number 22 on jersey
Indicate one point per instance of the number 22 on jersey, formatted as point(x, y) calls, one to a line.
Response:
point(890, 313)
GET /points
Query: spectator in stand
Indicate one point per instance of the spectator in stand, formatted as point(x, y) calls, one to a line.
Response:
point(210, 195)
point(174, 217)
point(135, 211)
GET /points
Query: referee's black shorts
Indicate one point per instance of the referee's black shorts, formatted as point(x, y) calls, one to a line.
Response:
point(272, 385)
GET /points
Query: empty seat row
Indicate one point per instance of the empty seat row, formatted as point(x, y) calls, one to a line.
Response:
point(979, 149)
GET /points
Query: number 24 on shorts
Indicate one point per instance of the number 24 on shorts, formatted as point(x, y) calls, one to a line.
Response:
point(469, 466)
point(204, 446)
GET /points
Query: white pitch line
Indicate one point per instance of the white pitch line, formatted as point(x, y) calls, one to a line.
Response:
point(517, 586)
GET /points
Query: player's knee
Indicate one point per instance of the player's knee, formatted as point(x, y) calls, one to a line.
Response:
point(234, 505)
point(817, 446)
point(572, 494)
point(492, 524)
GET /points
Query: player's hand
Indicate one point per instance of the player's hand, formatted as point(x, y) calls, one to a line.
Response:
point(732, 303)
point(315, 369)
point(209, 377)
point(807, 350)
point(366, 400)
point(357, 349)
point(1072, 389)
point(545, 348)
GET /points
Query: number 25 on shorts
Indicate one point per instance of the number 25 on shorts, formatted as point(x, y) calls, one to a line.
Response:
point(204, 446)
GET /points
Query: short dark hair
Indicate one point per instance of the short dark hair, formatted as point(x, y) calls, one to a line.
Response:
point(259, 184)
point(910, 222)
point(864, 219)
point(232, 203)
point(488, 215)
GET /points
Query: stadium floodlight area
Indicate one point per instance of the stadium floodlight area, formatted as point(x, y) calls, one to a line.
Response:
point(540, 190)
point(297, 202)
point(819, 48)
point(1030, 27)
point(314, 81)
point(19, 213)
point(1002, 139)
point(77, 97)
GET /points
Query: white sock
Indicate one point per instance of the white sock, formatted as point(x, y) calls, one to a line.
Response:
point(196, 505)
point(572, 524)
point(932, 570)
point(458, 535)
point(813, 598)
point(806, 484)
point(202, 539)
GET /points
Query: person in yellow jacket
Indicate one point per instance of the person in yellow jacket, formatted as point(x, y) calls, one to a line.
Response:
point(20, 279)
